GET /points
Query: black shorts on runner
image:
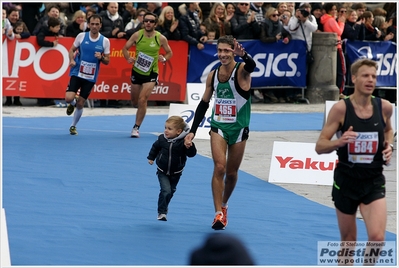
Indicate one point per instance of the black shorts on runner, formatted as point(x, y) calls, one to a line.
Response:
point(139, 79)
point(76, 83)
point(348, 193)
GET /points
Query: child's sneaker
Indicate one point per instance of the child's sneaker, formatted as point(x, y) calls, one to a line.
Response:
point(218, 222)
point(162, 217)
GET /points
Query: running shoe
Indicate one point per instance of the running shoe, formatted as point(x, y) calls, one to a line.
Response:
point(73, 131)
point(218, 222)
point(224, 210)
point(70, 109)
point(162, 217)
point(135, 133)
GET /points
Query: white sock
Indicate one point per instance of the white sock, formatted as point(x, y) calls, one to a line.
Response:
point(218, 212)
point(76, 116)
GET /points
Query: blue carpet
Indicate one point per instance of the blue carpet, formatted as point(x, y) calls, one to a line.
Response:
point(91, 199)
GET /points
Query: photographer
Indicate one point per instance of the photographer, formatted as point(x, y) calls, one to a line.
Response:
point(308, 22)
point(301, 26)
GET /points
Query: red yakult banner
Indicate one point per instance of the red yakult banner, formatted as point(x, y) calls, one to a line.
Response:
point(31, 71)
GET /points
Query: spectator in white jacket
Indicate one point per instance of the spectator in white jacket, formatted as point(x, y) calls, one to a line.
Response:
point(301, 26)
point(302, 17)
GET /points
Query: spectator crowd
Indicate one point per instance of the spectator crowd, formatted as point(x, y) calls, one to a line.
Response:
point(198, 23)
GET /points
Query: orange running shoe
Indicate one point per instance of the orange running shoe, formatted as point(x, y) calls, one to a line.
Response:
point(218, 222)
point(224, 210)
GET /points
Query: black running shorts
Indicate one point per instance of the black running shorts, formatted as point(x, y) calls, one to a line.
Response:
point(348, 192)
point(139, 79)
point(76, 83)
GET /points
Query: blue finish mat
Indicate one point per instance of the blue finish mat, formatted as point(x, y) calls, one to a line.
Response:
point(91, 199)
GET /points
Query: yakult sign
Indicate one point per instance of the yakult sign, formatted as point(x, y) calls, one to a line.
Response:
point(38, 72)
point(296, 162)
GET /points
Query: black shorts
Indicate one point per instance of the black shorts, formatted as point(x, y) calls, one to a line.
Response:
point(349, 192)
point(139, 79)
point(76, 83)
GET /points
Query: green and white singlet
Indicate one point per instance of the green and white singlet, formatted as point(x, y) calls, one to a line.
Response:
point(147, 52)
point(232, 106)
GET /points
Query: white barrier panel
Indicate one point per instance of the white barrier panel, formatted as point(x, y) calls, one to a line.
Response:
point(329, 105)
point(296, 162)
point(187, 112)
point(5, 250)
point(195, 92)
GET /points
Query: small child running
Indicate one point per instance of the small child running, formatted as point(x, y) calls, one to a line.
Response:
point(171, 156)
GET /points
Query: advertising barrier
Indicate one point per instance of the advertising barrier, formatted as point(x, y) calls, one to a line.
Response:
point(280, 65)
point(382, 52)
point(277, 64)
point(31, 71)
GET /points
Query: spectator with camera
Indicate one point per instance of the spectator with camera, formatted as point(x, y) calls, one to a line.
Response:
point(301, 26)
point(380, 24)
point(285, 18)
point(371, 33)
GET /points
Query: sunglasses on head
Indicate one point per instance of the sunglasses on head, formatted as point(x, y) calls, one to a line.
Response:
point(150, 21)
point(244, 4)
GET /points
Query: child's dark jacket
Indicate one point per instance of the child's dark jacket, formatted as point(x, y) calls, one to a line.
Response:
point(171, 154)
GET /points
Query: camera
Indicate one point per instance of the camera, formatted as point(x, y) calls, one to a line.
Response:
point(304, 12)
point(284, 17)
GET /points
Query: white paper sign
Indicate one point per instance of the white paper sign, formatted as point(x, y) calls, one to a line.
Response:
point(296, 162)
point(187, 112)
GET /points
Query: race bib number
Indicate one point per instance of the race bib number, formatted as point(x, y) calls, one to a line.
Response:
point(225, 110)
point(87, 70)
point(143, 62)
point(364, 148)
